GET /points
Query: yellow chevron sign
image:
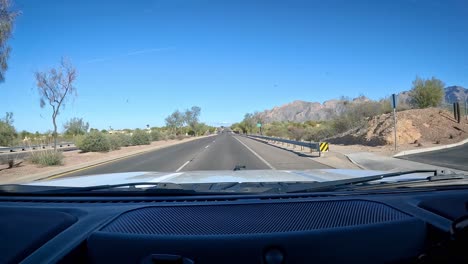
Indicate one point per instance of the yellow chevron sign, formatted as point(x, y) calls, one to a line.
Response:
point(323, 146)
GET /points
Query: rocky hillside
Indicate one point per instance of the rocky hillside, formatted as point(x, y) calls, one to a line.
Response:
point(455, 94)
point(415, 126)
point(300, 111)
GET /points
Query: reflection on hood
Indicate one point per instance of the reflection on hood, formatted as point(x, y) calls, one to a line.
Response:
point(217, 177)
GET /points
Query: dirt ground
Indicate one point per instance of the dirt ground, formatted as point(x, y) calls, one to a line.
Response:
point(415, 128)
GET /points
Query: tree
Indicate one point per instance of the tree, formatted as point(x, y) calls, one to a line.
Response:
point(174, 121)
point(7, 130)
point(191, 117)
point(427, 92)
point(7, 18)
point(55, 86)
point(76, 126)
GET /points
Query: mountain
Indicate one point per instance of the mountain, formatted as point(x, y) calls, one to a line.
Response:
point(300, 111)
point(455, 94)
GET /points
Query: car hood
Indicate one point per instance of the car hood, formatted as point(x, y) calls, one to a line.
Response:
point(218, 176)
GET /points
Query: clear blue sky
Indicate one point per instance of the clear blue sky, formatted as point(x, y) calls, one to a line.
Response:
point(140, 60)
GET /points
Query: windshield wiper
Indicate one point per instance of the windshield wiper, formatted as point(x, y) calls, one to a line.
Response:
point(141, 187)
point(332, 185)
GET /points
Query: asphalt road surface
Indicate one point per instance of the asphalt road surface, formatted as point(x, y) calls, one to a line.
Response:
point(221, 152)
point(455, 158)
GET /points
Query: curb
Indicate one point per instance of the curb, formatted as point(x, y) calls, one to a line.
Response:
point(416, 151)
point(58, 174)
point(355, 163)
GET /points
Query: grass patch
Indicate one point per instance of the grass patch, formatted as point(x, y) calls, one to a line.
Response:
point(47, 158)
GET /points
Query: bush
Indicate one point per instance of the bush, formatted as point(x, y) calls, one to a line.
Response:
point(140, 137)
point(318, 134)
point(125, 140)
point(7, 134)
point(427, 92)
point(296, 133)
point(180, 137)
point(114, 141)
point(171, 137)
point(78, 139)
point(95, 142)
point(155, 135)
point(47, 158)
point(163, 135)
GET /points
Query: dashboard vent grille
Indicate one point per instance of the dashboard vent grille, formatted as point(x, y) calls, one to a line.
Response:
point(233, 219)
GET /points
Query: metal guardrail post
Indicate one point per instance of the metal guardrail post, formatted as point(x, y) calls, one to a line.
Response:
point(313, 146)
point(458, 112)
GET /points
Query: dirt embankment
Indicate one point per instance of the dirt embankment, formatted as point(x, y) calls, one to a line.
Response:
point(416, 126)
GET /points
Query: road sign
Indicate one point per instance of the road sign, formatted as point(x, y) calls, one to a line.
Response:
point(259, 125)
point(324, 146)
point(394, 101)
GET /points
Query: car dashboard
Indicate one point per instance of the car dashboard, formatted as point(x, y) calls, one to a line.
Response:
point(379, 227)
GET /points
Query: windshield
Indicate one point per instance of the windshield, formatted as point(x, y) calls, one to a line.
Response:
point(100, 93)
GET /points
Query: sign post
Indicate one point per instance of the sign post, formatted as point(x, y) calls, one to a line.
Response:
point(259, 125)
point(394, 105)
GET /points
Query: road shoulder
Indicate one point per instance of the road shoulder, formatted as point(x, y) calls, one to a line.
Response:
point(49, 172)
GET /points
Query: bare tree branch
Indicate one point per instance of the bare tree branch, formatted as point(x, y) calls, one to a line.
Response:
point(55, 86)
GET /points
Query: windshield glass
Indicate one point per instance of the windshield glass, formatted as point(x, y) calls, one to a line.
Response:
point(98, 93)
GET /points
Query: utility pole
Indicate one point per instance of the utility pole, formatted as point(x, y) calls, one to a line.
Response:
point(394, 104)
point(466, 111)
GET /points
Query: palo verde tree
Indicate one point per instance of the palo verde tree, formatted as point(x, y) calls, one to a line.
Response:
point(174, 121)
point(7, 18)
point(427, 92)
point(55, 86)
point(76, 126)
point(191, 117)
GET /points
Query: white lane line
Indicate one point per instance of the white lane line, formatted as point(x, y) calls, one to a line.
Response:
point(207, 146)
point(183, 165)
point(256, 154)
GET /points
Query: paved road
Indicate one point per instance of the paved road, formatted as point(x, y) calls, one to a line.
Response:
point(455, 158)
point(221, 152)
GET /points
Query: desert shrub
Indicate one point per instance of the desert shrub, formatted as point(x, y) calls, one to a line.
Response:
point(140, 137)
point(114, 141)
point(78, 139)
point(47, 157)
point(155, 135)
point(164, 135)
point(95, 142)
point(296, 133)
point(343, 123)
point(276, 129)
point(180, 137)
point(125, 139)
point(171, 137)
point(427, 92)
point(318, 134)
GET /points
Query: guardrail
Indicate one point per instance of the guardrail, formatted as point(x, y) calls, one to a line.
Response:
point(317, 146)
point(36, 147)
